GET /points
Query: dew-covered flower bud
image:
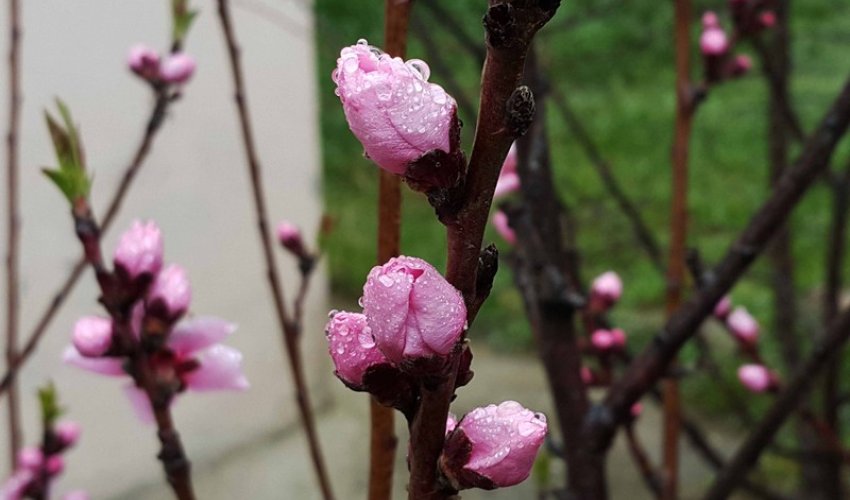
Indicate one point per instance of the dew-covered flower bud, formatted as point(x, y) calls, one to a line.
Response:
point(414, 313)
point(605, 291)
point(67, 432)
point(92, 336)
point(139, 250)
point(723, 308)
point(756, 378)
point(503, 227)
point(143, 61)
point(743, 326)
point(352, 347)
point(170, 294)
point(392, 108)
point(177, 68)
point(30, 458)
point(508, 177)
point(493, 447)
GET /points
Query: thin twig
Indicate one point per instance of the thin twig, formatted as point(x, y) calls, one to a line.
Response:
point(748, 453)
point(642, 462)
point(288, 328)
point(13, 223)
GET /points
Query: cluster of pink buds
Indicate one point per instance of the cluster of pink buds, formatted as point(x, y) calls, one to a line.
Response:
point(406, 124)
point(183, 353)
point(757, 378)
point(738, 322)
point(38, 466)
point(752, 16)
point(716, 47)
point(492, 447)
point(176, 68)
point(606, 341)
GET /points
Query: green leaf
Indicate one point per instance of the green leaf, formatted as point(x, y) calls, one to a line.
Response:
point(70, 176)
point(183, 17)
point(50, 409)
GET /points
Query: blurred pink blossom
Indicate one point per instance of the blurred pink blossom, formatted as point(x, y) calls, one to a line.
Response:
point(503, 227)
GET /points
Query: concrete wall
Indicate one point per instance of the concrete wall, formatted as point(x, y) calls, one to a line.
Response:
point(195, 185)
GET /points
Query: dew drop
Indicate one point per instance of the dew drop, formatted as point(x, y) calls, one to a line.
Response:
point(386, 280)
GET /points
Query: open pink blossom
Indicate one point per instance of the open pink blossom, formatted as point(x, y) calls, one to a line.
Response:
point(412, 310)
point(494, 446)
point(177, 68)
point(92, 336)
point(756, 378)
point(102, 366)
point(352, 347)
point(503, 227)
point(170, 292)
point(391, 107)
point(140, 250)
point(219, 367)
point(743, 326)
point(508, 177)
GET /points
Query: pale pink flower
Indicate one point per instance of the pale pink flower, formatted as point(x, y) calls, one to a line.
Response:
point(140, 250)
point(177, 68)
point(143, 61)
point(352, 347)
point(756, 378)
point(743, 326)
point(493, 447)
point(170, 292)
point(607, 288)
point(219, 366)
point(508, 177)
point(713, 41)
point(92, 336)
point(391, 107)
point(413, 311)
point(503, 227)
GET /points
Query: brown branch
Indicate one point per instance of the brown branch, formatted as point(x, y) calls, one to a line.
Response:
point(382, 438)
point(787, 401)
point(653, 362)
point(289, 329)
point(13, 223)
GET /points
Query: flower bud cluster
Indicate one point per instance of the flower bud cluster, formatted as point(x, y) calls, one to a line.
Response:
point(145, 62)
point(751, 17)
point(182, 353)
point(716, 46)
point(37, 466)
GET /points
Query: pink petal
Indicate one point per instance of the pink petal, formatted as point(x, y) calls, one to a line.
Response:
point(102, 366)
point(220, 369)
point(140, 403)
point(195, 334)
point(508, 183)
point(352, 346)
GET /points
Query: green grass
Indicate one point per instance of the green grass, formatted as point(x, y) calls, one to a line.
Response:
point(616, 70)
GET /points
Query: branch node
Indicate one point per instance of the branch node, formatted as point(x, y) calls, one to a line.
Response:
point(520, 110)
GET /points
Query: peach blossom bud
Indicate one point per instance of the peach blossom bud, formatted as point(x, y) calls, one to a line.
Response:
point(352, 347)
point(177, 68)
point(741, 65)
point(606, 289)
point(391, 107)
point(290, 238)
point(92, 336)
point(30, 458)
point(767, 19)
point(503, 227)
point(756, 378)
point(493, 447)
point(413, 311)
point(602, 340)
point(743, 326)
point(67, 432)
point(170, 293)
point(710, 20)
point(143, 61)
point(723, 307)
point(713, 41)
point(586, 375)
point(636, 410)
point(139, 250)
point(54, 465)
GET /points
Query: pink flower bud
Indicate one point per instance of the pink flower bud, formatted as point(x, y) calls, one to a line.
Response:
point(30, 458)
point(508, 178)
point(714, 42)
point(170, 293)
point(67, 432)
point(413, 311)
point(743, 326)
point(15, 487)
point(54, 465)
point(723, 308)
point(756, 378)
point(143, 61)
point(503, 227)
point(710, 20)
point(352, 347)
point(607, 289)
point(636, 410)
point(391, 107)
point(602, 340)
point(493, 447)
point(177, 68)
point(767, 19)
point(92, 336)
point(587, 375)
point(290, 238)
point(741, 65)
point(76, 495)
point(618, 338)
point(139, 250)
